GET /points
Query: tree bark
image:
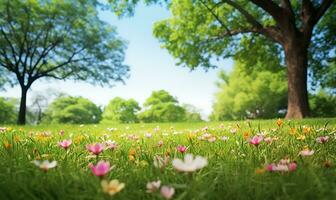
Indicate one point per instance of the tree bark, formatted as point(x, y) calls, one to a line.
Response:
point(296, 55)
point(23, 106)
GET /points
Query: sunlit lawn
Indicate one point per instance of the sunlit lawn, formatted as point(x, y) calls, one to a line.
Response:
point(236, 169)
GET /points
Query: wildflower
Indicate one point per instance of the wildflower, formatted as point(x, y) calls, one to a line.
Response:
point(160, 162)
point(160, 143)
point(224, 138)
point(167, 192)
point(205, 129)
point(96, 149)
point(279, 122)
point(327, 164)
point(260, 171)
point(65, 144)
point(109, 144)
point(246, 135)
point(234, 130)
point(45, 165)
point(322, 139)
point(79, 139)
point(306, 129)
point(148, 135)
point(112, 187)
point(17, 139)
point(189, 164)
point(292, 131)
point(268, 140)
point(153, 186)
point(61, 132)
point(7, 145)
point(181, 148)
point(301, 137)
point(306, 152)
point(281, 167)
point(256, 140)
point(212, 139)
point(3, 129)
point(292, 166)
point(101, 169)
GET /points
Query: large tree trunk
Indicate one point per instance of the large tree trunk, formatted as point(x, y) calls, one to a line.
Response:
point(296, 54)
point(23, 107)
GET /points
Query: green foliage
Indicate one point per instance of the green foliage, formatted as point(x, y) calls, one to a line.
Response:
point(260, 94)
point(322, 104)
point(162, 107)
point(8, 111)
point(192, 113)
point(72, 110)
point(121, 111)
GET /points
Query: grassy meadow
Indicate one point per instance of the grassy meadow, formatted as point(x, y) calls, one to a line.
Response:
point(266, 159)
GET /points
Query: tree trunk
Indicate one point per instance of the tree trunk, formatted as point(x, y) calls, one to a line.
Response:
point(23, 102)
point(296, 55)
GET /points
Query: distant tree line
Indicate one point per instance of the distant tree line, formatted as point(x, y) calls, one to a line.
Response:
point(159, 107)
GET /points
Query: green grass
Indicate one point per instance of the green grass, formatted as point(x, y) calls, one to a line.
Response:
point(230, 173)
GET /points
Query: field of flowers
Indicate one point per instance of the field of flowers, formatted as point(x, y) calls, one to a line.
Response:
point(273, 159)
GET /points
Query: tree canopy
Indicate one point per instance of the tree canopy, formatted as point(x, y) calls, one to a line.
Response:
point(60, 40)
point(72, 110)
point(162, 107)
point(121, 111)
point(8, 111)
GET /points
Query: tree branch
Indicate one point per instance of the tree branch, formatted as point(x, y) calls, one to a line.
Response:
point(271, 8)
point(323, 9)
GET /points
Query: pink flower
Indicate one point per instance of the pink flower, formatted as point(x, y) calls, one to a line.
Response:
point(292, 166)
point(181, 148)
point(167, 192)
point(95, 148)
point(111, 144)
point(306, 152)
point(101, 169)
point(256, 140)
point(322, 139)
point(148, 135)
point(65, 144)
point(153, 186)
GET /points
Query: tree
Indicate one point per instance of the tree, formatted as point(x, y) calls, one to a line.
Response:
point(72, 110)
point(162, 107)
point(304, 32)
point(8, 111)
point(59, 40)
point(254, 94)
point(192, 114)
point(323, 104)
point(121, 111)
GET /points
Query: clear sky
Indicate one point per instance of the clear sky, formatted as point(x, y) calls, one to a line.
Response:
point(152, 68)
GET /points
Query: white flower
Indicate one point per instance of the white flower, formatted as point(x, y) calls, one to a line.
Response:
point(167, 192)
point(153, 186)
point(45, 165)
point(306, 152)
point(189, 164)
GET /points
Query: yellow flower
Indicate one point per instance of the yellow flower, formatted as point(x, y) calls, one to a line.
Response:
point(17, 139)
point(112, 187)
point(131, 157)
point(260, 171)
point(132, 152)
point(279, 122)
point(292, 131)
point(246, 135)
point(301, 137)
point(306, 129)
point(79, 139)
point(6, 144)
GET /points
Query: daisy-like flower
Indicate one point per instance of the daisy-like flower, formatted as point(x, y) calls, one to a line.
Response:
point(45, 165)
point(224, 138)
point(148, 135)
point(153, 186)
point(3, 129)
point(112, 187)
point(306, 152)
point(189, 164)
point(322, 139)
point(256, 140)
point(181, 148)
point(167, 192)
point(101, 169)
point(65, 144)
point(109, 144)
point(96, 149)
point(233, 130)
point(281, 167)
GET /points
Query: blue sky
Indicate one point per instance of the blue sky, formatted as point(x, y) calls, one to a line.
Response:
point(152, 68)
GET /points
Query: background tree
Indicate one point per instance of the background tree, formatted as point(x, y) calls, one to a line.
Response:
point(8, 111)
point(60, 40)
point(303, 31)
point(250, 94)
point(72, 110)
point(323, 104)
point(192, 114)
point(162, 107)
point(121, 111)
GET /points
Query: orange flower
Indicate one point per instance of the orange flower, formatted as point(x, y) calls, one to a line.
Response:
point(279, 122)
point(7, 145)
point(306, 129)
point(260, 171)
point(292, 131)
point(246, 135)
point(132, 152)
